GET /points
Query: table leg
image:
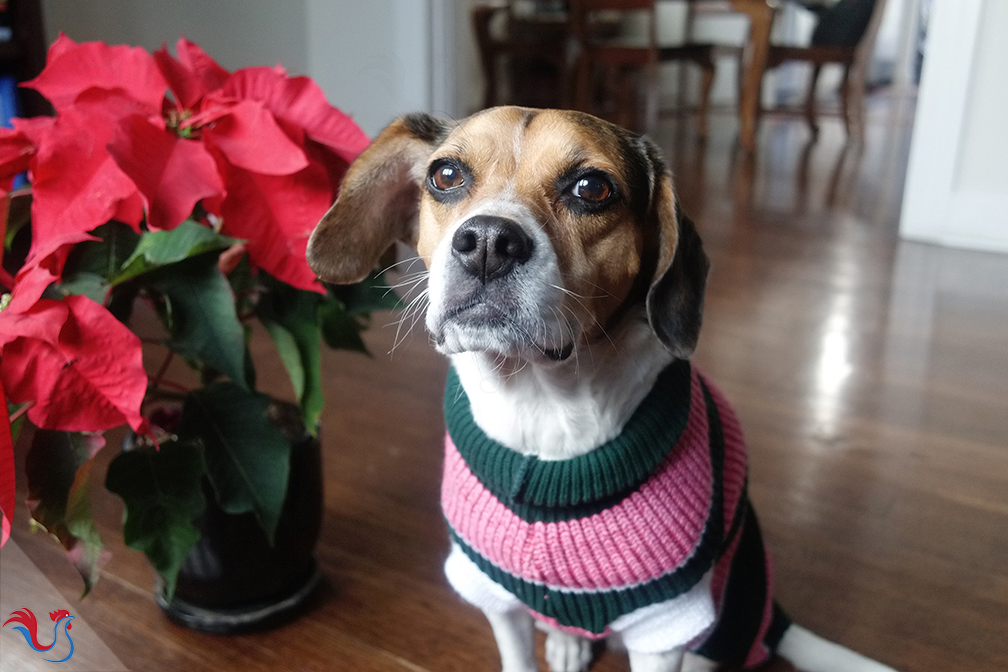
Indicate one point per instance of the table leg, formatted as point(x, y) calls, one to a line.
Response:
point(754, 62)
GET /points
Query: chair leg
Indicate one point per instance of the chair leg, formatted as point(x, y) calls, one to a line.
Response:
point(651, 97)
point(706, 83)
point(810, 101)
point(626, 111)
point(481, 18)
point(568, 70)
point(583, 85)
point(853, 102)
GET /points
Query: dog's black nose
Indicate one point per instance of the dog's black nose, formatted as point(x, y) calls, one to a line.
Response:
point(489, 247)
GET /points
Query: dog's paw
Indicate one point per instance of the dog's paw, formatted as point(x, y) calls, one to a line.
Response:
point(694, 663)
point(567, 653)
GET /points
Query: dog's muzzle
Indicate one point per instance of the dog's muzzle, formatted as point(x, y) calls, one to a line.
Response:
point(489, 247)
point(495, 287)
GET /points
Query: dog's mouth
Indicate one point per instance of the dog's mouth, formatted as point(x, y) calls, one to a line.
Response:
point(480, 325)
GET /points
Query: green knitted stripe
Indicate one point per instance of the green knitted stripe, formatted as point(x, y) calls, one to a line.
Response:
point(595, 610)
point(531, 513)
point(602, 476)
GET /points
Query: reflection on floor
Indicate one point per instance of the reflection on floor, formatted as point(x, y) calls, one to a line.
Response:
point(871, 377)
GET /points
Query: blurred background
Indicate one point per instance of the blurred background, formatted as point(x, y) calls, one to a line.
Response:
point(378, 59)
point(856, 314)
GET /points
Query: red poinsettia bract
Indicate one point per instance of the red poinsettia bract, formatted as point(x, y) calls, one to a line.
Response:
point(120, 148)
point(144, 139)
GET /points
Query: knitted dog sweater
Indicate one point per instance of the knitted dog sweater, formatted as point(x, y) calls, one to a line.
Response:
point(639, 521)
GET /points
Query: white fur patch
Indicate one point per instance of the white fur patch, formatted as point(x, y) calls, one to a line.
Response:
point(562, 410)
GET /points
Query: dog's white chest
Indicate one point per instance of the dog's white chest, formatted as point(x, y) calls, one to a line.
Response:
point(567, 411)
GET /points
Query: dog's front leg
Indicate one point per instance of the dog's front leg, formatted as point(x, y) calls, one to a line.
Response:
point(669, 661)
point(566, 652)
point(515, 635)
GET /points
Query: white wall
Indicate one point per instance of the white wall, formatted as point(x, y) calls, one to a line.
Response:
point(983, 157)
point(236, 33)
point(957, 180)
point(373, 58)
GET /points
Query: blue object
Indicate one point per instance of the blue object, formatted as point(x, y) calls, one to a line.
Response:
point(9, 110)
point(8, 100)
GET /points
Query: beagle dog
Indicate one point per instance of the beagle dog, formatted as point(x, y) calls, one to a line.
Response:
point(594, 479)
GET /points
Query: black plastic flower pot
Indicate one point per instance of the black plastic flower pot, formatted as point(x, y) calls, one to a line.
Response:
point(233, 580)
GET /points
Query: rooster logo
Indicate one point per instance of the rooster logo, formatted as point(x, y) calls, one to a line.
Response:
point(29, 629)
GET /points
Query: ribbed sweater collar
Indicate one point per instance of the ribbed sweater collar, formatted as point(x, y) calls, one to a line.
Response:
point(615, 468)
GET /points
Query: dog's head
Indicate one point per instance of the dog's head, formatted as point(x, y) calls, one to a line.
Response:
point(541, 229)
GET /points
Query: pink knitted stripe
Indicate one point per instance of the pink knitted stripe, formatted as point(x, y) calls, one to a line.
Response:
point(473, 511)
point(647, 535)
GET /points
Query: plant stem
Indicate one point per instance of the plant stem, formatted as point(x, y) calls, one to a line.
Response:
point(164, 369)
point(21, 411)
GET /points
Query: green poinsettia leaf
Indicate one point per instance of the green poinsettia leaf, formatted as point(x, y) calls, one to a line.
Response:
point(15, 428)
point(102, 257)
point(247, 456)
point(15, 425)
point(91, 285)
point(58, 470)
point(250, 372)
point(88, 554)
point(292, 320)
point(163, 493)
point(341, 329)
point(373, 293)
point(201, 318)
point(287, 348)
point(245, 285)
point(18, 214)
point(157, 249)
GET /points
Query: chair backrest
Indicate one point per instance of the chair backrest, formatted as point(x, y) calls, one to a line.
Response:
point(845, 23)
point(581, 12)
point(601, 5)
point(867, 43)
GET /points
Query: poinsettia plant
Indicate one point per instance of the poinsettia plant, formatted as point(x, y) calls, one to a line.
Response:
point(164, 182)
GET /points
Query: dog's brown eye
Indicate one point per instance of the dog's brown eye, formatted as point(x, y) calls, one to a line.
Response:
point(447, 177)
point(592, 189)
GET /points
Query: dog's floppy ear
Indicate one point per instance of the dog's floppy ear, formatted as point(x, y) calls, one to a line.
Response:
point(676, 296)
point(378, 201)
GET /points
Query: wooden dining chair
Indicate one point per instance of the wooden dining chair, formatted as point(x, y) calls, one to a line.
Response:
point(844, 34)
point(622, 59)
point(529, 50)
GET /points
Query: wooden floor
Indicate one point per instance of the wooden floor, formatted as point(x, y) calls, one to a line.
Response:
point(871, 377)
